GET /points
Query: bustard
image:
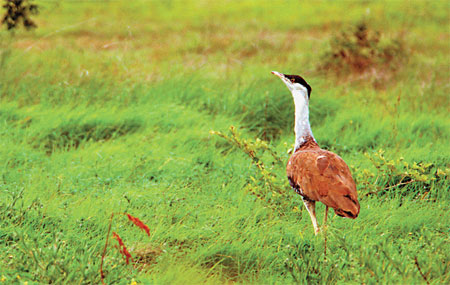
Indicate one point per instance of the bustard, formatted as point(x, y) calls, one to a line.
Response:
point(314, 173)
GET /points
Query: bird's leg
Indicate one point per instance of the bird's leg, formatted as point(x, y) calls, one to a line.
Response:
point(311, 207)
point(325, 229)
point(326, 215)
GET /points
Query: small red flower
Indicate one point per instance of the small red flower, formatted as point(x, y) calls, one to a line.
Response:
point(123, 250)
point(127, 255)
point(139, 223)
point(119, 240)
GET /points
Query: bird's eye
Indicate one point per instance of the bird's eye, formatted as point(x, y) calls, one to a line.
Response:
point(293, 80)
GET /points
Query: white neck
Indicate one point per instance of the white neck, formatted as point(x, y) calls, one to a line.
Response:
point(302, 127)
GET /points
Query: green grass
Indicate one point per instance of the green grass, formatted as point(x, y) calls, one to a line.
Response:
point(109, 107)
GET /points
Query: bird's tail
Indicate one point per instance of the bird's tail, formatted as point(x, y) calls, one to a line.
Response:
point(348, 207)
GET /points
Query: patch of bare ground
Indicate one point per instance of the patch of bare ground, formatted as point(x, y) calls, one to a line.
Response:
point(145, 254)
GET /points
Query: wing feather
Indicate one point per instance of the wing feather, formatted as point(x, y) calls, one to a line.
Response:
point(322, 176)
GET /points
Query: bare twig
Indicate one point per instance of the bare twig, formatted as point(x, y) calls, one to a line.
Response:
point(102, 275)
point(399, 184)
point(371, 193)
point(325, 230)
point(425, 195)
point(416, 262)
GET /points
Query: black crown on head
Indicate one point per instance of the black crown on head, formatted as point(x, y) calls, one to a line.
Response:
point(300, 80)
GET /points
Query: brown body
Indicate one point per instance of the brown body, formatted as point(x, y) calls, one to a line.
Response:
point(320, 175)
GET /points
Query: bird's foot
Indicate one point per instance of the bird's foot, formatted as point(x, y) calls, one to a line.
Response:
point(322, 229)
point(316, 231)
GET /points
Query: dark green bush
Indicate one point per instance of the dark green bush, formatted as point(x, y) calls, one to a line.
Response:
point(19, 11)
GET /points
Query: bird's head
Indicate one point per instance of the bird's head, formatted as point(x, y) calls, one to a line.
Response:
point(296, 84)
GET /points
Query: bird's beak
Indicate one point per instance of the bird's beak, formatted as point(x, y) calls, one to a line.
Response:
point(284, 79)
point(278, 74)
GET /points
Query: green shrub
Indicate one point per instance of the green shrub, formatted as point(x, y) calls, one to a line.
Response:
point(267, 185)
point(361, 49)
point(391, 178)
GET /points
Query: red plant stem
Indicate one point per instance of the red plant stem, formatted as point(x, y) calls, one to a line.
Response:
point(102, 275)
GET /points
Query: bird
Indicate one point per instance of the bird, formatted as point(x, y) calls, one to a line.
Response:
point(316, 174)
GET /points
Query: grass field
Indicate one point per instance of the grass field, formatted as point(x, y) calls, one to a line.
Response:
point(108, 107)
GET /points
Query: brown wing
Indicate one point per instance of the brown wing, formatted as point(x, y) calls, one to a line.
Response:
point(320, 175)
